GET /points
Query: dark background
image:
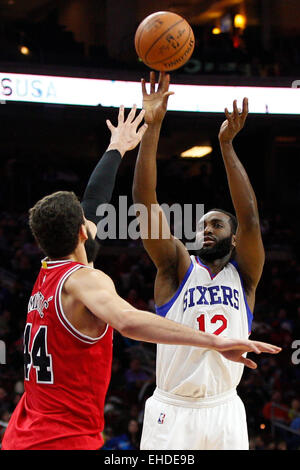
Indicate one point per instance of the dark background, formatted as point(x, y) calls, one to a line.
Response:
point(49, 147)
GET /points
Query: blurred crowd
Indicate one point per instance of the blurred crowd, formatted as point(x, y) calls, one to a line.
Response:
point(271, 393)
point(232, 52)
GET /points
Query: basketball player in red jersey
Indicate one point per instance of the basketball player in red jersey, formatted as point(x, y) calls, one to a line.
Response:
point(68, 334)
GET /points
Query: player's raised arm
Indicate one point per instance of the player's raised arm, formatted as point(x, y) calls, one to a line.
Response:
point(124, 136)
point(97, 292)
point(250, 254)
point(163, 248)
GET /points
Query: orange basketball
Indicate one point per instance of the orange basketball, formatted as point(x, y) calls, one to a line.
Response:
point(164, 41)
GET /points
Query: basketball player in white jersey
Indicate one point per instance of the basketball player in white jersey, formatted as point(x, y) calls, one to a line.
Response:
point(195, 404)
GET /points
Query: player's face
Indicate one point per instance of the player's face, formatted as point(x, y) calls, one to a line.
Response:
point(215, 235)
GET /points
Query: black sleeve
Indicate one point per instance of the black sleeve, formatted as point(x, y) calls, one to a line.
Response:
point(101, 184)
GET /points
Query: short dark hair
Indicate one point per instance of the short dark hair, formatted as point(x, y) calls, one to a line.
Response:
point(55, 221)
point(233, 219)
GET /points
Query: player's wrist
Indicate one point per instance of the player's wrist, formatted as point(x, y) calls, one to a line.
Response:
point(117, 146)
point(221, 344)
point(226, 139)
point(154, 126)
point(215, 342)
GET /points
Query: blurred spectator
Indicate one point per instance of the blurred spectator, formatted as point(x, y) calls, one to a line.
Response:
point(118, 381)
point(282, 445)
point(128, 441)
point(294, 440)
point(135, 300)
point(294, 410)
point(275, 409)
point(135, 375)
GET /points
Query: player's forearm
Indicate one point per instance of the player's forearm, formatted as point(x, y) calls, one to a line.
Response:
point(101, 183)
point(145, 174)
point(242, 194)
point(145, 326)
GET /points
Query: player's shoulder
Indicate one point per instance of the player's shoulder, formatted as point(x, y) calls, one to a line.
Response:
point(87, 277)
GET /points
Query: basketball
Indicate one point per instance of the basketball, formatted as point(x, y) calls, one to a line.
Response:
point(164, 41)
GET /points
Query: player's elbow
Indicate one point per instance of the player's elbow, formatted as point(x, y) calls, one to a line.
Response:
point(127, 323)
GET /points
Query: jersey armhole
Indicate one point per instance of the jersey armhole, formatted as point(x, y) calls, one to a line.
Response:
point(163, 309)
point(248, 309)
point(62, 316)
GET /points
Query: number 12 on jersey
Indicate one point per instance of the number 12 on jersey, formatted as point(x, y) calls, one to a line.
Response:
point(216, 318)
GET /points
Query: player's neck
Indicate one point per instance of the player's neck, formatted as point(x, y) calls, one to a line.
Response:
point(78, 256)
point(217, 265)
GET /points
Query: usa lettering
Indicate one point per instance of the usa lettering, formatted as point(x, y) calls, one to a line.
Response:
point(24, 88)
point(201, 295)
point(38, 302)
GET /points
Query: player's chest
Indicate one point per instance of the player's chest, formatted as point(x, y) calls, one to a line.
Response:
point(213, 306)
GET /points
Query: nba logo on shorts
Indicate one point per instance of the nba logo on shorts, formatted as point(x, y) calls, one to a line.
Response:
point(161, 418)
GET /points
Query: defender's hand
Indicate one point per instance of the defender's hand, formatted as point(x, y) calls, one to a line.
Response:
point(234, 123)
point(155, 102)
point(126, 135)
point(234, 349)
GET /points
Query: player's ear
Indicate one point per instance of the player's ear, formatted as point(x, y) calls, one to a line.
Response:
point(233, 240)
point(83, 235)
point(92, 228)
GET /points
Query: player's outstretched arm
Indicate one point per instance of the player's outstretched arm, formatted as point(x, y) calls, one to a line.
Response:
point(97, 292)
point(250, 254)
point(125, 136)
point(162, 247)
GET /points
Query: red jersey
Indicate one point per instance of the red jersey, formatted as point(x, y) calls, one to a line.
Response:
point(66, 374)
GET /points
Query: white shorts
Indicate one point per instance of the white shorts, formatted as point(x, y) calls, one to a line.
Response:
point(172, 422)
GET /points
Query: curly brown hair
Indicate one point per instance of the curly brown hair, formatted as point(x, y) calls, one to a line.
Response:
point(55, 221)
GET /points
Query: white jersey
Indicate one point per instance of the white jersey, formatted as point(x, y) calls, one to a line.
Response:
point(214, 304)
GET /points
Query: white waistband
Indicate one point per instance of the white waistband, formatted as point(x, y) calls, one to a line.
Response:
point(190, 402)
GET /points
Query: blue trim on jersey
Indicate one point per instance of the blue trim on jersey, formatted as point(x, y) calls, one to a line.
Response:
point(249, 312)
point(163, 309)
point(206, 267)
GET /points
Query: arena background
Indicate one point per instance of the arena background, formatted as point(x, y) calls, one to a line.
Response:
point(45, 148)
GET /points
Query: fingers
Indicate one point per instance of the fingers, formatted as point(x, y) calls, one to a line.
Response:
point(139, 118)
point(245, 110)
point(131, 114)
point(248, 363)
point(237, 113)
point(245, 106)
point(164, 81)
point(121, 114)
point(166, 96)
point(257, 347)
point(266, 347)
point(109, 125)
point(152, 82)
point(235, 110)
point(144, 91)
point(161, 80)
point(131, 119)
point(228, 115)
point(142, 131)
point(254, 348)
